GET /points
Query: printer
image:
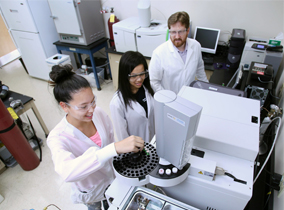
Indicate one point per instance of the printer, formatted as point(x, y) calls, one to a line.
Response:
point(255, 51)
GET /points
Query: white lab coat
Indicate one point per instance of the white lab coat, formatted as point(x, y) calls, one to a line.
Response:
point(133, 121)
point(168, 71)
point(77, 159)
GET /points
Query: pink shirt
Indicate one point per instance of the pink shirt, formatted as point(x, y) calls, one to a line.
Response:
point(96, 139)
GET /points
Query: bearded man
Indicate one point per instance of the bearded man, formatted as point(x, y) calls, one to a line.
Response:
point(178, 61)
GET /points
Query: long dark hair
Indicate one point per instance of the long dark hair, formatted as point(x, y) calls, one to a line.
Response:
point(66, 82)
point(127, 63)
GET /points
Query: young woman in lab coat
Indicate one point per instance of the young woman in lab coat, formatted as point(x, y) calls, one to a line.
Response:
point(82, 143)
point(132, 106)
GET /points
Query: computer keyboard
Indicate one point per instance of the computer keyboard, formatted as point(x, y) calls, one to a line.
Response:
point(208, 60)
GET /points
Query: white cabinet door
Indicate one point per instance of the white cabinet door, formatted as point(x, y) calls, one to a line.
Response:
point(18, 15)
point(65, 16)
point(32, 53)
point(146, 44)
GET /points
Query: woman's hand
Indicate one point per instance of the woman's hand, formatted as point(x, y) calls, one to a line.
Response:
point(130, 144)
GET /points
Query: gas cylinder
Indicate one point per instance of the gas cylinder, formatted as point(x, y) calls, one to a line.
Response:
point(112, 20)
point(16, 143)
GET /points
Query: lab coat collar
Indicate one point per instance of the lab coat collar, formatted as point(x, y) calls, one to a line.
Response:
point(189, 50)
point(174, 50)
point(80, 135)
point(138, 108)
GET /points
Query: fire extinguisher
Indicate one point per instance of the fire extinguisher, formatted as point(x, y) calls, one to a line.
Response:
point(14, 140)
point(112, 20)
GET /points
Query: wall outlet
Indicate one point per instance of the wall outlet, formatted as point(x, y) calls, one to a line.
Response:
point(281, 185)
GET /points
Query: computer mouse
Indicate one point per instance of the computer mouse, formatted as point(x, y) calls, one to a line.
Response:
point(219, 65)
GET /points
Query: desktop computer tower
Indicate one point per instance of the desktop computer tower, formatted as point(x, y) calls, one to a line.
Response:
point(237, 43)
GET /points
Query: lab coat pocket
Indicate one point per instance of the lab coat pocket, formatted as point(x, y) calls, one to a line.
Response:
point(86, 197)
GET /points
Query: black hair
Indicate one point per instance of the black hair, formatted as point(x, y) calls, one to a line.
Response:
point(66, 82)
point(128, 62)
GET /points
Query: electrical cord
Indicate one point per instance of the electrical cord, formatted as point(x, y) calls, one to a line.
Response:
point(36, 138)
point(235, 179)
point(265, 109)
point(268, 172)
point(272, 147)
point(270, 186)
point(102, 65)
point(264, 81)
point(51, 205)
point(274, 96)
point(269, 194)
point(165, 18)
point(156, 188)
point(221, 171)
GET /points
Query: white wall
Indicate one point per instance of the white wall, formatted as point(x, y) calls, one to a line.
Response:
point(259, 18)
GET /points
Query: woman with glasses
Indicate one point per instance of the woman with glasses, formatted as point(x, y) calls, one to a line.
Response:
point(132, 106)
point(82, 143)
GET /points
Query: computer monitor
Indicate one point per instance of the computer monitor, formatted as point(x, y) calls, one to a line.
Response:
point(208, 38)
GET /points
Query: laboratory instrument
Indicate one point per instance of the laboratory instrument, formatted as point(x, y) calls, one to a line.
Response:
point(124, 34)
point(78, 21)
point(133, 198)
point(148, 39)
point(144, 13)
point(140, 33)
point(226, 143)
point(217, 88)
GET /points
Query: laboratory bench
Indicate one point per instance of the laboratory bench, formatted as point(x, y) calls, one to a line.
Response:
point(28, 103)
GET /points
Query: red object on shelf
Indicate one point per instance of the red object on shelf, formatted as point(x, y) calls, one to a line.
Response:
point(16, 143)
point(111, 40)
